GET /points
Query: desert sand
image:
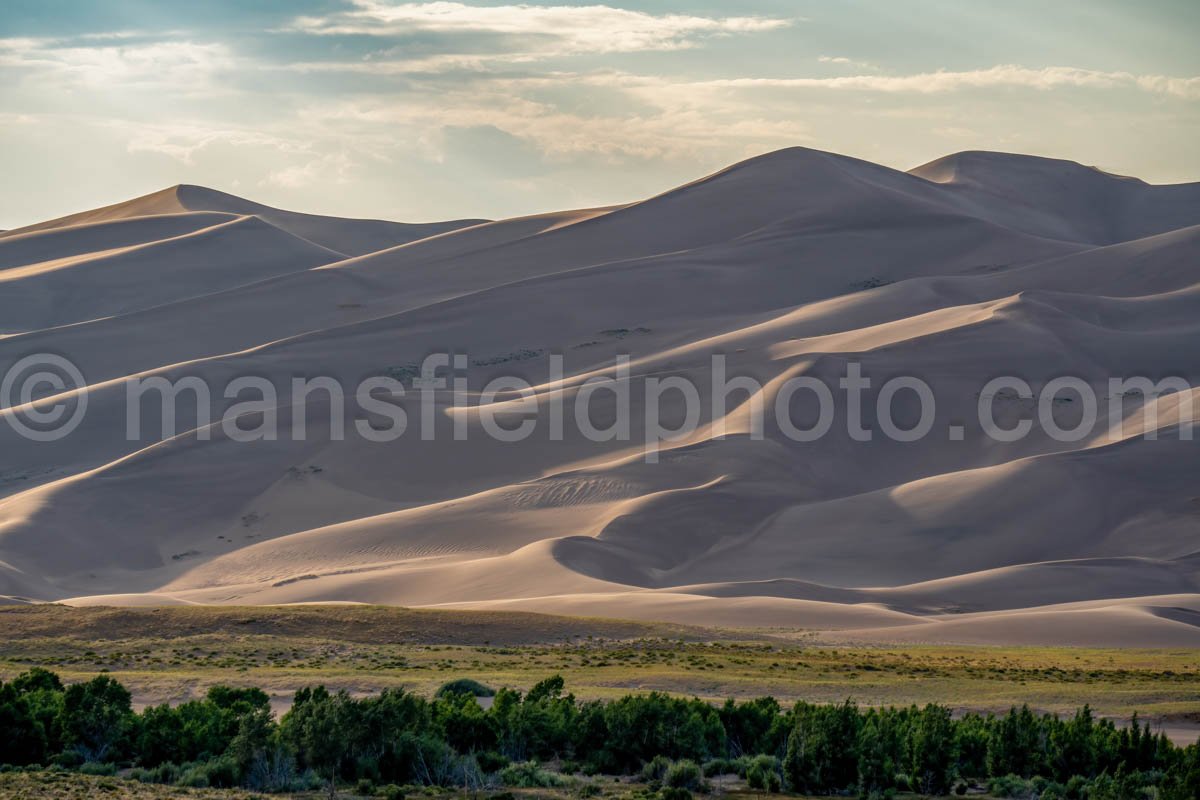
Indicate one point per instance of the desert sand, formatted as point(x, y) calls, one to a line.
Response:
point(790, 264)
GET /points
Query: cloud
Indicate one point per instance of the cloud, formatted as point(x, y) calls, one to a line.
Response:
point(537, 31)
point(183, 141)
point(847, 62)
point(1005, 75)
point(326, 169)
point(114, 61)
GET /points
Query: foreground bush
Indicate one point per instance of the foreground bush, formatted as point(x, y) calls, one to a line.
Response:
point(528, 775)
point(683, 774)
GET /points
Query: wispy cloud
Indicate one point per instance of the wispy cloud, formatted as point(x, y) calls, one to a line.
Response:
point(1004, 75)
point(183, 141)
point(119, 60)
point(331, 168)
point(843, 61)
point(538, 30)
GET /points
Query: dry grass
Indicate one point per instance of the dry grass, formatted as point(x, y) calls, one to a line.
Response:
point(172, 654)
point(72, 786)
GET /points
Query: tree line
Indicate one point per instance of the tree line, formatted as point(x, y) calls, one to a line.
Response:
point(394, 738)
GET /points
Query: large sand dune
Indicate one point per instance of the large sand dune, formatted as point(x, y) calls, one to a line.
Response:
point(791, 265)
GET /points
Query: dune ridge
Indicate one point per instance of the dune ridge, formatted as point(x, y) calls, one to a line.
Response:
point(791, 264)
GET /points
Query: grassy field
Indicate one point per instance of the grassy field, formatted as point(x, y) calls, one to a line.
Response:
point(73, 786)
point(173, 654)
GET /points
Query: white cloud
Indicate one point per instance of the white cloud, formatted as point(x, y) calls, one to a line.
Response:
point(1005, 75)
point(654, 133)
point(540, 30)
point(182, 66)
point(183, 141)
point(956, 132)
point(329, 168)
point(847, 62)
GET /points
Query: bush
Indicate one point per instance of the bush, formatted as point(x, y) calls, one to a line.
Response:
point(390, 792)
point(528, 775)
point(674, 793)
point(219, 773)
point(95, 768)
point(724, 766)
point(166, 773)
point(1010, 786)
point(1053, 791)
point(655, 769)
point(763, 774)
point(365, 786)
point(683, 774)
point(490, 761)
point(465, 686)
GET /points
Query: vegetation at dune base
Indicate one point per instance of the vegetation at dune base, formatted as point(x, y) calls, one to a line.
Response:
point(397, 741)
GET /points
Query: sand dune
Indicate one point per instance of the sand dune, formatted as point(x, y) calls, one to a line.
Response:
point(791, 265)
point(349, 237)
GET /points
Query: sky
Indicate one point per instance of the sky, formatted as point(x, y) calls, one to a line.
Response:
point(419, 111)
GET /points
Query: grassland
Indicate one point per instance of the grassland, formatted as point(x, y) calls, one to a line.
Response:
point(46, 785)
point(173, 654)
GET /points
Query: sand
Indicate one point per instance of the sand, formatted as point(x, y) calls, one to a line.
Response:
point(792, 264)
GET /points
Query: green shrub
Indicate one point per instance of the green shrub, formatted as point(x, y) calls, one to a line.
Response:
point(655, 769)
point(465, 686)
point(723, 766)
point(683, 774)
point(674, 793)
point(1010, 786)
point(763, 774)
point(528, 775)
point(1053, 791)
point(96, 768)
point(219, 773)
point(390, 792)
point(166, 773)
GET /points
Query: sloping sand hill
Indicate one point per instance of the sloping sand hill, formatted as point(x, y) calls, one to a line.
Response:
point(792, 265)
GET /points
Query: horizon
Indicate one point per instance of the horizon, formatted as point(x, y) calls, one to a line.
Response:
point(911, 171)
point(432, 111)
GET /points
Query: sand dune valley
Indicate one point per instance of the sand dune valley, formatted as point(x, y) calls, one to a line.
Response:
point(794, 263)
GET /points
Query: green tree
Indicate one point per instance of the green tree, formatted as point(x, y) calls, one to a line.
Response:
point(316, 728)
point(822, 749)
point(97, 717)
point(932, 749)
point(22, 736)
